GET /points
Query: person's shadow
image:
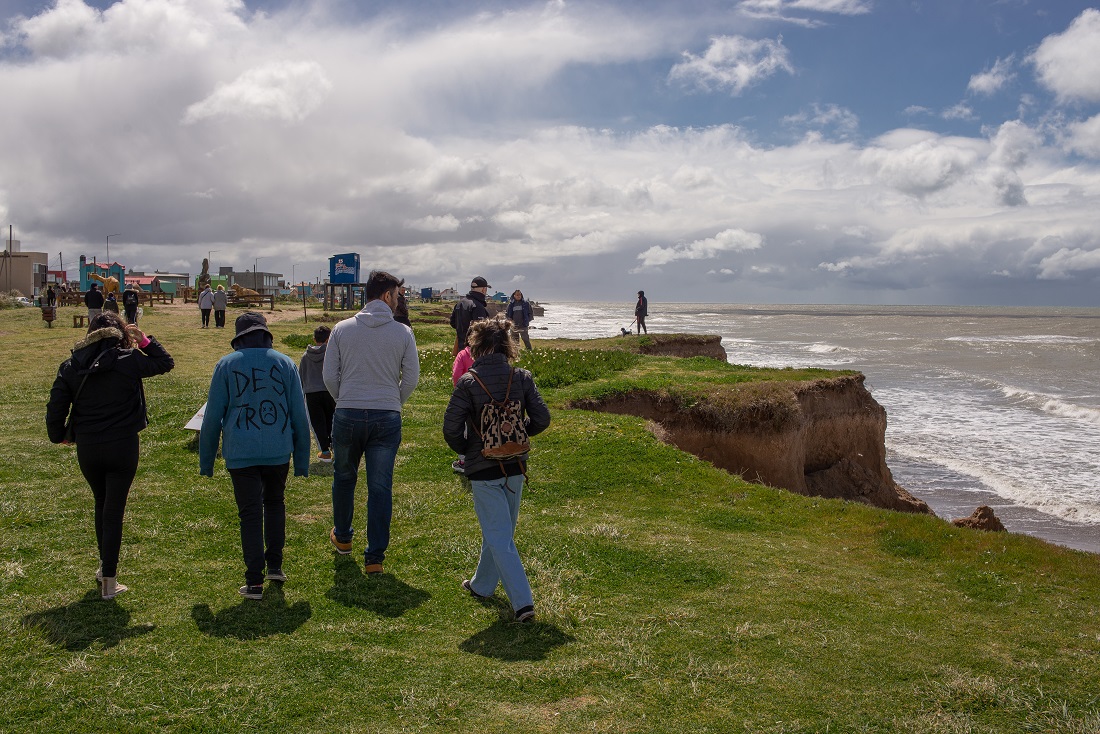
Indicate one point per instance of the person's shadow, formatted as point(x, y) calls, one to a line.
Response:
point(511, 641)
point(252, 619)
point(83, 623)
point(385, 595)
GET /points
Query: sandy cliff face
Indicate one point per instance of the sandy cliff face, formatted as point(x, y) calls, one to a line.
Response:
point(825, 438)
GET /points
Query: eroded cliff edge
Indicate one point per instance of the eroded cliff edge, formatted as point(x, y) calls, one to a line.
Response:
point(824, 438)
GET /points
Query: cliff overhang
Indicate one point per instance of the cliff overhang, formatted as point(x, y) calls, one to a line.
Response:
point(824, 438)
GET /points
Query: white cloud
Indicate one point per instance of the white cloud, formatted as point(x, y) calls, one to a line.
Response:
point(1068, 63)
point(733, 63)
point(1084, 137)
point(843, 122)
point(994, 79)
point(961, 111)
point(919, 168)
point(781, 10)
point(433, 223)
point(1066, 262)
point(730, 240)
point(288, 91)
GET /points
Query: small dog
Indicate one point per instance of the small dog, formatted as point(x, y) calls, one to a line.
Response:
point(626, 332)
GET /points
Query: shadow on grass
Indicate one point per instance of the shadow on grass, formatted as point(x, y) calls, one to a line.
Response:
point(507, 640)
point(252, 619)
point(385, 595)
point(192, 444)
point(79, 625)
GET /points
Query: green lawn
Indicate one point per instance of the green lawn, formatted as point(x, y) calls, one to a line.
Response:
point(672, 597)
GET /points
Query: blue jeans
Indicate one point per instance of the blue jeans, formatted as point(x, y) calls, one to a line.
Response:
point(496, 503)
point(372, 436)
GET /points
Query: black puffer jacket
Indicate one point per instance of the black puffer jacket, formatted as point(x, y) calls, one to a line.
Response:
point(469, 309)
point(464, 411)
point(112, 404)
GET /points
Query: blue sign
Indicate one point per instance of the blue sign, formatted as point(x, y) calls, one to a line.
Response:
point(344, 268)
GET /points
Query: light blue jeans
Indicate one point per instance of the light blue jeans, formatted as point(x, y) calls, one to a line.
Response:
point(371, 437)
point(496, 502)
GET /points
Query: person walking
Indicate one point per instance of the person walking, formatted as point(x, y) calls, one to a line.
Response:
point(401, 313)
point(255, 407)
point(319, 402)
point(469, 309)
point(371, 368)
point(110, 303)
point(641, 310)
point(496, 484)
point(93, 300)
point(521, 314)
point(221, 302)
point(206, 304)
point(130, 301)
point(51, 296)
point(98, 394)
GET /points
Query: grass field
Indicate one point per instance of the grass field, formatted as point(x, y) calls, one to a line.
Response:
point(671, 596)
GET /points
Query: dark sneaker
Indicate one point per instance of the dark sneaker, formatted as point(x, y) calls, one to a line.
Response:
point(275, 574)
point(469, 587)
point(325, 456)
point(252, 592)
point(341, 548)
point(527, 614)
point(458, 466)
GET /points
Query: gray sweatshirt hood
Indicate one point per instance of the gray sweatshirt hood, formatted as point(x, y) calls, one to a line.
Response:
point(374, 314)
point(315, 354)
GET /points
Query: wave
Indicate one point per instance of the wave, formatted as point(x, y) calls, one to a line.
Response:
point(1052, 404)
point(825, 349)
point(1035, 496)
point(1024, 339)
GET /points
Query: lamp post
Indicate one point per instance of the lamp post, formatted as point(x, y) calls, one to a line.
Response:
point(256, 274)
point(109, 255)
point(294, 277)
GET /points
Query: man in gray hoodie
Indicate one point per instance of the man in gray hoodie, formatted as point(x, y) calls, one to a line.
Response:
point(371, 368)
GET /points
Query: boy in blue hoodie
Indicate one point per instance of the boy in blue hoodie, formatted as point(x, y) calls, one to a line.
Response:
point(256, 407)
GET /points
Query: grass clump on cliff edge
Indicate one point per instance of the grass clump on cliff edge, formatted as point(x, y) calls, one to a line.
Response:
point(671, 596)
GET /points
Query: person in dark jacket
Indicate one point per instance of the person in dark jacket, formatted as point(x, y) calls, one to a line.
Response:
point(130, 302)
point(319, 402)
point(110, 303)
point(401, 313)
point(519, 310)
point(51, 296)
point(469, 309)
point(101, 383)
point(93, 299)
point(496, 485)
point(641, 310)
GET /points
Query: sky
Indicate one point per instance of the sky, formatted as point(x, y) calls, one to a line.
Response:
point(742, 151)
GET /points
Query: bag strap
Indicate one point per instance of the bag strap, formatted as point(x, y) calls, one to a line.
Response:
point(507, 392)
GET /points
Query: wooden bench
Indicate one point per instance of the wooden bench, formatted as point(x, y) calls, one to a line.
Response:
point(79, 320)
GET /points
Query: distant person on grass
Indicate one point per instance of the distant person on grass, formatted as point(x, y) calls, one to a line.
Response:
point(221, 301)
point(130, 302)
point(93, 301)
point(110, 303)
point(101, 383)
point(469, 309)
point(521, 314)
point(371, 369)
point(641, 310)
point(461, 365)
point(497, 485)
point(255, 406)
point(319, 402)
point(206, 304)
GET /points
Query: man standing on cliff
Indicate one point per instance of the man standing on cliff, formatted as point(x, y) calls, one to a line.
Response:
point(641, 310)
point(469, 309)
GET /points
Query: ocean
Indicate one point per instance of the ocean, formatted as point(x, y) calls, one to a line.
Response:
point(995, 406)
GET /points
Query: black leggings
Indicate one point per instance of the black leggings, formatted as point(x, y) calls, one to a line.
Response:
point(110, 469)
point(321, 407)
point(261, 506)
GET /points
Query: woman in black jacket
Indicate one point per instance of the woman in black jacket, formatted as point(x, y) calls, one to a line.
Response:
point(101, 383)
point(496, 485)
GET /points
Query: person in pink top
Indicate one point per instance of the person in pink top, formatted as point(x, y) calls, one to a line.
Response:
point(463, 361)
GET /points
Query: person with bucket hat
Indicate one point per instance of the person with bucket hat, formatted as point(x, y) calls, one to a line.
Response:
point(256, 407)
